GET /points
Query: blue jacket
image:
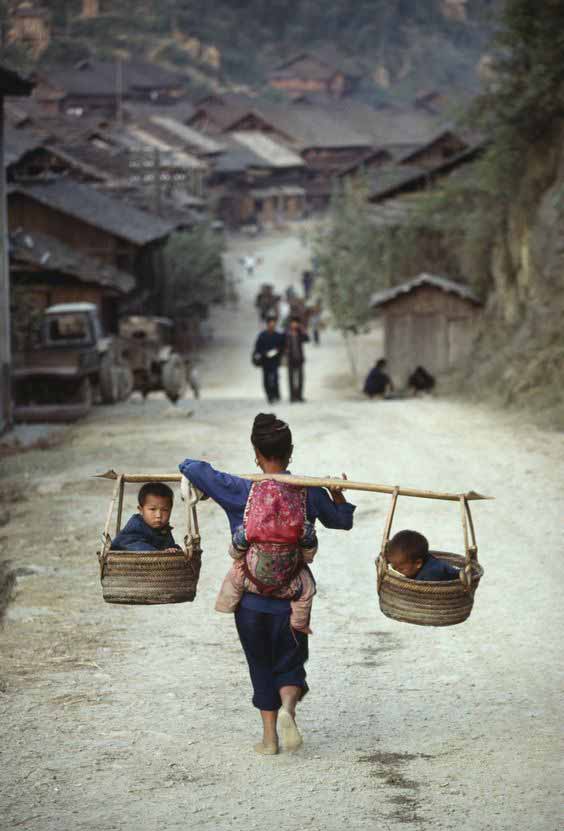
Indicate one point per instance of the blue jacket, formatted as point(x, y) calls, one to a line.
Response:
point(136, 535)
point(435, 570)
point(232, 492)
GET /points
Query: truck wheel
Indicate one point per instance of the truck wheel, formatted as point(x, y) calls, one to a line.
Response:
point(125, 382)
point(109, 381)
point(173, 375)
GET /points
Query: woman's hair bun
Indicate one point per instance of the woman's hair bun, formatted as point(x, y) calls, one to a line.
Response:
point(271, 436)
point(265, 423)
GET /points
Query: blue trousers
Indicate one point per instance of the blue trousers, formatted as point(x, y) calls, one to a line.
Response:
point(275, 653)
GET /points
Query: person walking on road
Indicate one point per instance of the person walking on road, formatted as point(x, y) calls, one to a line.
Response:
point(295, 338)
point(276, 653)
point(267, 353)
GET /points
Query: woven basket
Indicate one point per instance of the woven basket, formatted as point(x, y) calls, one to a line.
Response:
point(149, 577)
point(426, 603)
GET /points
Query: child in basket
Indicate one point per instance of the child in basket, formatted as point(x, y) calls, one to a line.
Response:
point(408, 554)
point(275, 569)
point(149, 529)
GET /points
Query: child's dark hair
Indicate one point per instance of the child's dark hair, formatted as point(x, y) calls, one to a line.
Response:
point(411, 543)
point(154, 489)
point(272, 437)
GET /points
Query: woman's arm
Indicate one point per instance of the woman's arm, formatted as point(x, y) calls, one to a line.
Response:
point(230, 492)
point(331, 514)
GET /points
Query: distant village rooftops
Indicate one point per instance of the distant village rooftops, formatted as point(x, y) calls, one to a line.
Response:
point(275, 154)
point(192, 138)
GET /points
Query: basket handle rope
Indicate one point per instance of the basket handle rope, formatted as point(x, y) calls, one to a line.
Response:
point(382, 562)
point(192, 539)
point(106, 538)
point(470, 548)
point(466, 574)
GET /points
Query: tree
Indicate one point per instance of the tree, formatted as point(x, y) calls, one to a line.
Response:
point(350, 263)
point(193, 272)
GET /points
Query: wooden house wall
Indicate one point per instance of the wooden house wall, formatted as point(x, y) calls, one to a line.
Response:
point(427, 327)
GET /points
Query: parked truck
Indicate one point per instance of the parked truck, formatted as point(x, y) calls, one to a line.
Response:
point(70, 364)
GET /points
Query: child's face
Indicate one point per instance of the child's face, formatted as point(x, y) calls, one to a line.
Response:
point(401, 562)
point(156, 511)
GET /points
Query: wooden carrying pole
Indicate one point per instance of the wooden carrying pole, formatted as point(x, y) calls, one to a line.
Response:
point(307, 482)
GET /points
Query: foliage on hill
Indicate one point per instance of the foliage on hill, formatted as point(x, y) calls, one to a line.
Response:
point(415, 43)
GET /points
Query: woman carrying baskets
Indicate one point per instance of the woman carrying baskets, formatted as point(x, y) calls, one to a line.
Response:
point(275, 652)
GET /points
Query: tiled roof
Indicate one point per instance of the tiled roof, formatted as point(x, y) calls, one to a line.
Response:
point(99, 210)
point(388, 182)
point(380, 298)
point(53, 255)
point(272, 152)
point(17, 143)
point(199, 142)
point(93, 77)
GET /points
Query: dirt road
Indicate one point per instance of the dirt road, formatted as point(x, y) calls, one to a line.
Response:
point(140, 718)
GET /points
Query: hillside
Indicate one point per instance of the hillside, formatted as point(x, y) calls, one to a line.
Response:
point(403, 47)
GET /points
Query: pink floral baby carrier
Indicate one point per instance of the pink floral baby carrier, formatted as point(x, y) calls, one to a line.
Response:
point(274, 522)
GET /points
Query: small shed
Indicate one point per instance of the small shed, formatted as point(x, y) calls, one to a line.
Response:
point(428, 321)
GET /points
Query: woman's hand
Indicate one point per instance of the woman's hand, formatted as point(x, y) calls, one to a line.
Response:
point(337, 492)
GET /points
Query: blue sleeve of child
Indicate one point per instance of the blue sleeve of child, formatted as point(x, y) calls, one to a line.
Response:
point(240, 538)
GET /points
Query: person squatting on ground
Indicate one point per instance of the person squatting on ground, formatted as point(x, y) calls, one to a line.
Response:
point(420, 381)
point(271, 551)
point(378, 382)
point(408, 554)
point(149, 529)
point(295, 338)
point(276, 653)
point(267, 354)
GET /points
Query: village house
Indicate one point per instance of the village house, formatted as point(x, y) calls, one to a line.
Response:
point(90, 9)
point(317, 71)
point(214, 113)
point(257, 180)
point(30, 25)
point(45, 271)
point(405, 178)
point(428, 321)
point(97, 225)
point(445, 145)
point(103, 86)
point(324, 142)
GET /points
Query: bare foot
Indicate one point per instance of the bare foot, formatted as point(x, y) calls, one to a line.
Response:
point(289, 733)
point(266, 749)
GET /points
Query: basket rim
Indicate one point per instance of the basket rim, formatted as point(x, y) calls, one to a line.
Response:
point(478, 572)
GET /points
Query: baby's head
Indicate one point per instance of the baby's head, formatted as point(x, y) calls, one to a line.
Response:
point(155, 504)
point(407, 552)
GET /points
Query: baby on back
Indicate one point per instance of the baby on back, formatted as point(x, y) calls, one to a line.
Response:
point(408, 554)
point(149, 528)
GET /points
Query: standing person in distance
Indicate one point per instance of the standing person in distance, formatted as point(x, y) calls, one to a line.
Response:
point(267, 353)
point(295, 338)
